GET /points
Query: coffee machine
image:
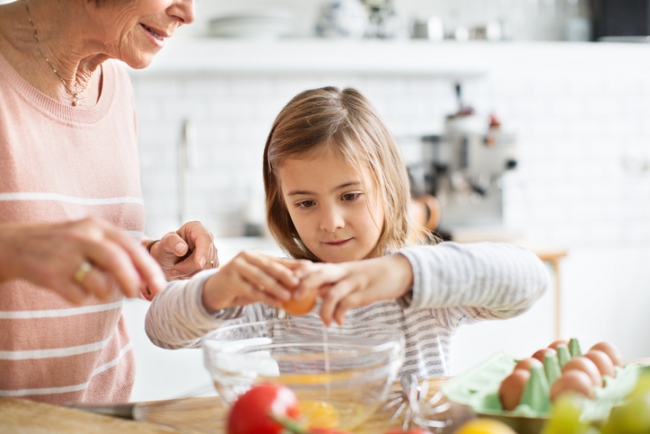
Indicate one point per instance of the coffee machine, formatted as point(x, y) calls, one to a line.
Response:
point(463, 169)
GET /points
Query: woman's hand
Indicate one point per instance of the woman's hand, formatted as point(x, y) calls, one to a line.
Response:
point(348, 285)
point(249, 278)
point(78, 259)
point(187, 251)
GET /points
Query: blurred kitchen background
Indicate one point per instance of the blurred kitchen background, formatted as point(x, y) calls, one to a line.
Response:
point(549, 146)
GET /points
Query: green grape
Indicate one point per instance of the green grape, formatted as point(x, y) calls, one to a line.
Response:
point(633, 417)
point(565, 417)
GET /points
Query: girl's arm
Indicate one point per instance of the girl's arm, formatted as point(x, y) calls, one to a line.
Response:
point(177, 317)
point(498, 280)
point(186, 310)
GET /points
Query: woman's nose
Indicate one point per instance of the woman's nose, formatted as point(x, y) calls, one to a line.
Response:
point(183, 10)
point(332, 220)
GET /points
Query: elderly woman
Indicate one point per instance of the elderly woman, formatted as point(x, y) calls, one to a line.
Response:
point(71, 210)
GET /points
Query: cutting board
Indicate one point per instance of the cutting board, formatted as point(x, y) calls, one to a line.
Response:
point(21, 416)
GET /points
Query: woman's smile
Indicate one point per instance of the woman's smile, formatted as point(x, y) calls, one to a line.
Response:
point(155, 35)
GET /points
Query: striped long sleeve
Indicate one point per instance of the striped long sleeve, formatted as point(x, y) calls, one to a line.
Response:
point(453, 284)
point(177, 317)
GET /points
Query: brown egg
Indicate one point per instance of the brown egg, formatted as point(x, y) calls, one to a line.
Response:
point(602, 362)
point(611, 351)
point(554, 344)
point(573, 381)
point(512, 387)
point(587, 366)
point(540, 354)
point(526, 364)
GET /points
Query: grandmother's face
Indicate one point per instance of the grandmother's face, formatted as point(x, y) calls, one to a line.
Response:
point(135, 30)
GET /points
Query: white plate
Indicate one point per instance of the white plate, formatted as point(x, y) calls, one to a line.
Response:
point(262, 24)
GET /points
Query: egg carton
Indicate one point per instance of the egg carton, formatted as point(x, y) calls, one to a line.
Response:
point(478, 388)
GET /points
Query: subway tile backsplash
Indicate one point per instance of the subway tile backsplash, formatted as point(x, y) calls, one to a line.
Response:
point(584, 143)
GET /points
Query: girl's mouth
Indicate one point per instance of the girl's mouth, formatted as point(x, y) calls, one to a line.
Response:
point(337, 243)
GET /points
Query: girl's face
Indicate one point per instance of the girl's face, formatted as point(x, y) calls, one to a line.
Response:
point(337, 218)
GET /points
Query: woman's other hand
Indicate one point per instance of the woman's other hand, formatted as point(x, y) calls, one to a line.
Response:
point(347, 285)
point(250, 277)
point(187, 251)
point(78, 259)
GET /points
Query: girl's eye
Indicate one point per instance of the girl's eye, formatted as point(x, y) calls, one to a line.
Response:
point(350, 196)
point(305, 204)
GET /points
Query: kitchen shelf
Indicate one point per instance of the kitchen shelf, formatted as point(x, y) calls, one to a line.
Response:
point(312, 56)
point(187, 56)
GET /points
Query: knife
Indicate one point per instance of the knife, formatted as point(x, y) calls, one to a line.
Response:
point(129, 410)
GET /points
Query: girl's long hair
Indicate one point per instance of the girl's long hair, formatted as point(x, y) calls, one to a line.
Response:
point(345, 122)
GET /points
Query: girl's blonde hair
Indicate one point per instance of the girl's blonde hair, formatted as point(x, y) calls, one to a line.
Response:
point(345, 122)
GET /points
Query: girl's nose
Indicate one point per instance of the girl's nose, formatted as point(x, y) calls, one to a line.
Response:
point(332, 220)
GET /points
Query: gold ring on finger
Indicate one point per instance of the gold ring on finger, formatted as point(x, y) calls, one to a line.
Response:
point(212, 263)
point(82, 271)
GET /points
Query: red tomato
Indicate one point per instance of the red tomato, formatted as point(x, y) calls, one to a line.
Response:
point(254, 411)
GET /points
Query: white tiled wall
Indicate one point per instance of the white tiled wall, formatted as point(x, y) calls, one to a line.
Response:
point(584, 140)
point(583, 121)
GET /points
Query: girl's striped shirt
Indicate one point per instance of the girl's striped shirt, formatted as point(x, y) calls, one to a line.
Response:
point(454, 284)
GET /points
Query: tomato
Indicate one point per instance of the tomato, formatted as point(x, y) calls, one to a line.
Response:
point(255, 410)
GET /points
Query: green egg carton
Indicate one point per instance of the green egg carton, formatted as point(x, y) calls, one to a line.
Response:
point(478, 388)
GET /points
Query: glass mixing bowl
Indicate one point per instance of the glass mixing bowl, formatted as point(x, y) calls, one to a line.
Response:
point(341, 375)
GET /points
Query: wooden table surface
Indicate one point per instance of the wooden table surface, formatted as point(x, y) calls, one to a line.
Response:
point(189, 416)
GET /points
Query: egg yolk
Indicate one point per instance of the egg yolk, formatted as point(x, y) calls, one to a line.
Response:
point(319, 414)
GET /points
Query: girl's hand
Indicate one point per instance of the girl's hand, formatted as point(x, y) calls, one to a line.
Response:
point(187, 251)
point(348, 285)
point(249, 278)
point(78, 259)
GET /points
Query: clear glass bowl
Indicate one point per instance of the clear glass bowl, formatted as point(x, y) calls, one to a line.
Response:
point(341, 375)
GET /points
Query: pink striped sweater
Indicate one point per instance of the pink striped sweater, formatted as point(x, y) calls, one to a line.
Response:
point(61, 163)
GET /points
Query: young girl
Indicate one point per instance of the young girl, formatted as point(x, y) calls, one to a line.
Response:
point(337, 196)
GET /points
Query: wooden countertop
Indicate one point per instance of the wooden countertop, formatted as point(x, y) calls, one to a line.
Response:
point(187, 416)
point(190, 416)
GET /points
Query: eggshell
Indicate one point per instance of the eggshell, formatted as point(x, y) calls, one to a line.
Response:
point(539, 354)
point(526, 364)
point(587, 366)
point(301, 306)
point(611, 351)
point(602, 362)
point(512, 387)
point(573, 381)
point(554, 344)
